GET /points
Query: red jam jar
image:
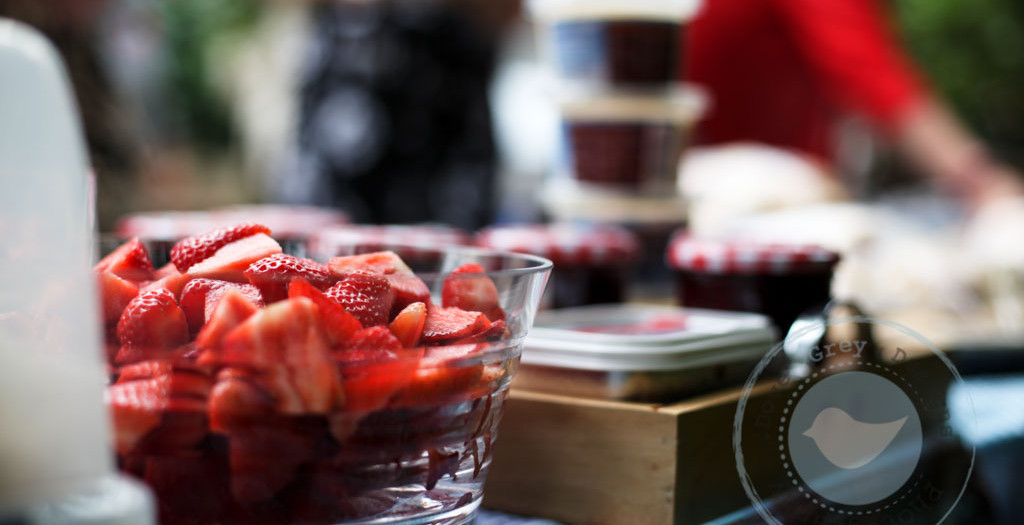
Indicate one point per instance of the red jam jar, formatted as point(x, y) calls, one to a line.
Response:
point(421, 246)
point(779, 280)
point(592, 263)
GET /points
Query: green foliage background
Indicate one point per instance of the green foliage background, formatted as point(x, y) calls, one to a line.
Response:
point(973, 53)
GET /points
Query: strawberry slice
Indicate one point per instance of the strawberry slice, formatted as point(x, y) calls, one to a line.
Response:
point(115, 294)
point(229, 262)
point(137, 408)
point(365, 295)
point(285, 342)
point(153, 321)
point(129, 261)
point(173, 283)
point(407, 287)
point(237, 399)
point(229, 311)
point(198, 248)
point(272, 275)
point(448, 324)
point(372, 375)
point(373, 339)
point(469, 288)
point(440, 377)
point(339, 325)
point(166, 270)
point(214, 296)
point(408, 324)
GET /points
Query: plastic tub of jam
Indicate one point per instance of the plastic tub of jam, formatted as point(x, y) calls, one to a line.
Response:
point(779, 280)
point(249, 386)
point(639, 352)
point(629, 143)
point(421, 246)
point(592, 262)
point(618, 43)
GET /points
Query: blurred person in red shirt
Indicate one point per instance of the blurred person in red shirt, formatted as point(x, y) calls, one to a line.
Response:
point(781, 72)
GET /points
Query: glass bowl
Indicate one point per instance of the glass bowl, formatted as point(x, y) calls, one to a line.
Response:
point(410, 442)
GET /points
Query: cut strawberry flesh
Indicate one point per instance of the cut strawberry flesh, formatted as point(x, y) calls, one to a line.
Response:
point(440, 376)
point(230, 261)
point(247, 292)
point(129, 261)
point(447, 324)
point(229, 311)
point(115, 293)
point(339, 325)
point(406, 286)
point(408, 324)
point(470, 289)
point(365, 295)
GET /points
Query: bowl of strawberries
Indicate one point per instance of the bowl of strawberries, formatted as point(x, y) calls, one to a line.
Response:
point(250, 386)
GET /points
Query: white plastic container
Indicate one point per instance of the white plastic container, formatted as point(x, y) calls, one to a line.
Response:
point(56, 465)
point(641, 352)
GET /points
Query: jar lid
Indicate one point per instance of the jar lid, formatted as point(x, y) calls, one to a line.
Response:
point(398, 237)
point(641, 337)
point(681, 105)
point(746, 257)
point(283, 221)
point(564, 243)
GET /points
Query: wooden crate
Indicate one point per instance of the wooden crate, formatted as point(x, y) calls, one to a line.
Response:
point(587, 461)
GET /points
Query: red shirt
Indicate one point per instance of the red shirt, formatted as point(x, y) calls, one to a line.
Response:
point(781, 71)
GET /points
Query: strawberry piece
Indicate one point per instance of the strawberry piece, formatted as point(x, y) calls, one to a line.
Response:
point(264, 458)
point(408, 324)
point(198, 248)
point(193, 301)
point(153, 321)
point(237, 399)
point(229, 262)
point(469, 288)
point(484, 333)
point(448, 324)
point(115, 294)
point(129, 261)
point(339, 325)
point(286, 344)
point(144, 370)
point(173, 283)
point(247, 291)
point(407, 287)
point(230, 310)
point(439, 377)
point(136, 408)
point(272, 275)
point(365, 295)
point(166, 270)
point(374, 339)
point(372, 376)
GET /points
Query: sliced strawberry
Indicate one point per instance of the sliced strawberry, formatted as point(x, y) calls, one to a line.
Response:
point(373, 339)
point(441, 376)
point(285, 342)
point(372, 376)
point(137, 408)
point(198, 248)
point(469, 288)
point(272, 275)
point(115, 294)
point(407, 287)
point(173, 283)
point(166, 270)
point(247, 291)
point(193, 301)
point(237, 399)
point(129, 261)
point(484, 333)
point(339, 325)
point(230, 311)
point(365, 295)
point(408, 324)
point(152, 320)
point(448, 324)
point(229, 262)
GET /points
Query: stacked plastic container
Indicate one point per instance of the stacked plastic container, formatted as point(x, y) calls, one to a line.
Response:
point(626, 115)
